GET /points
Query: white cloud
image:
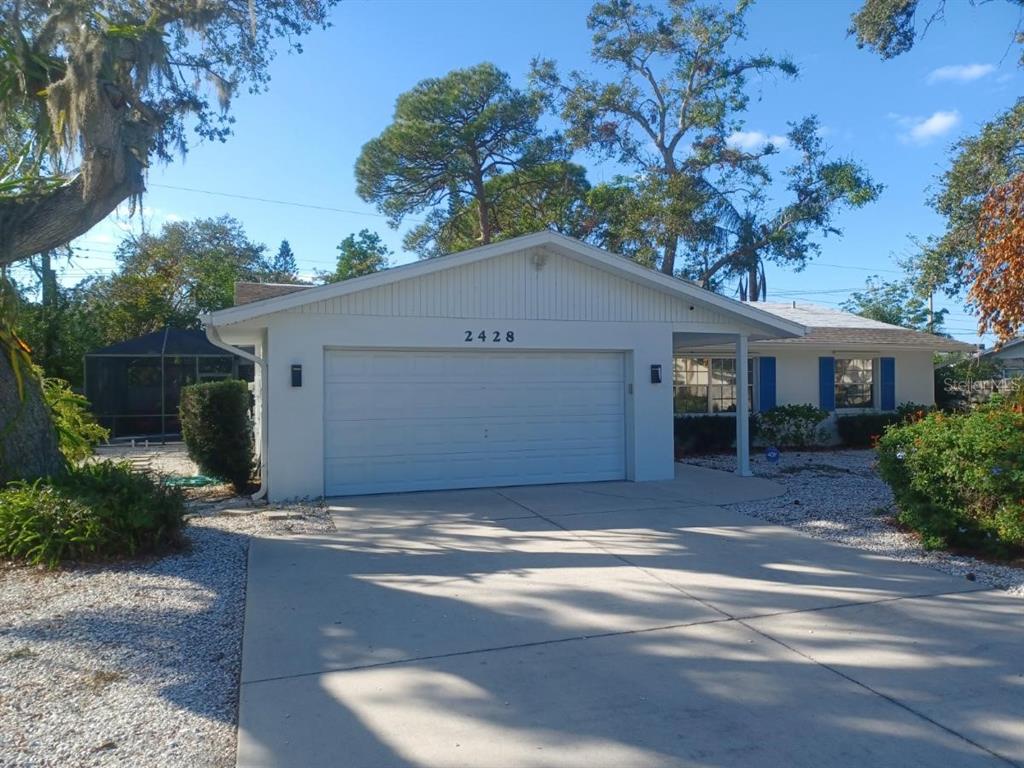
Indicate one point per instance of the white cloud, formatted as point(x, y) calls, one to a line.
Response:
point(939, 124)
point(921, 130)
point(751, 141)
point(960, 73)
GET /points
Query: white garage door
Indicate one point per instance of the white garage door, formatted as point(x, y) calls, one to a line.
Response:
point(406, 420)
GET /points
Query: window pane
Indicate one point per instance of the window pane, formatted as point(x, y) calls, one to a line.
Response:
point(708, 385)
point(854, 383)
point(691, 399)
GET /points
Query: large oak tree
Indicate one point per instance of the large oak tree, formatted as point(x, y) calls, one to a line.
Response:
point(699, 201)
point(103, 89)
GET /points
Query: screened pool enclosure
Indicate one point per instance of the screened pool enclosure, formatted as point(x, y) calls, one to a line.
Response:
point(134, 386)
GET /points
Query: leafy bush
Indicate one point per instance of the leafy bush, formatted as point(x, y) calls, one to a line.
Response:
point(94, 512)
point(955, 382)
point(791, 426)
point(217, 430)
point(862, 430)
point(698, 435)
point(77, 431)
point(959, 479)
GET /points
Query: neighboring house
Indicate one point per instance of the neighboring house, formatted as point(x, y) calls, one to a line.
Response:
point(845, 363)
point(534, 360)
point(134, 386)
point(1009, 357)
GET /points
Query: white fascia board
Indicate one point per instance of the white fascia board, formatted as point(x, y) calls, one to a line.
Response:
point(561, 244)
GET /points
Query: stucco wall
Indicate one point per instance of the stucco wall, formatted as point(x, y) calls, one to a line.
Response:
point(796, 374)
point(295, 415)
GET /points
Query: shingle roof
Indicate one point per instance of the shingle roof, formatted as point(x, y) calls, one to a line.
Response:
point(247, 293)
point(832, 326)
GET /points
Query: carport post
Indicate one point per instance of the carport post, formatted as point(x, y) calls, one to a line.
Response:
point(742, 409)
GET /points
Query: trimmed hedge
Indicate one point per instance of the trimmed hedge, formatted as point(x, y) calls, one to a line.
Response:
point(791, 426)
point(698, 435)
point(217, 430)
point(863, 430)
point(94, 512)
point(959, 479)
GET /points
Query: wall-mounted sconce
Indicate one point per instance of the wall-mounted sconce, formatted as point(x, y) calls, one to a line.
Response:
point(296, 375)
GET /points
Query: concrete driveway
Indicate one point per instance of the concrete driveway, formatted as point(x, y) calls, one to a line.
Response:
point(615, 625)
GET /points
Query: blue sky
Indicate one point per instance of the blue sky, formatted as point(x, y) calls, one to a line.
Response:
point(299, 141)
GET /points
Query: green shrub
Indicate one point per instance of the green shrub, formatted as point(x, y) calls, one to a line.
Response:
point(94, 512)
point(217, 430)
point(791, 426)
point(78, 434)
point(959, 479)
point(699, 435)
point(862, 430)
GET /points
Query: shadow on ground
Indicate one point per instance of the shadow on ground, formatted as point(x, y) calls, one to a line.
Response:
point(587, 626)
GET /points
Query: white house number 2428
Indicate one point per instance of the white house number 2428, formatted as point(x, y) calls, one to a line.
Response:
point(490, 337)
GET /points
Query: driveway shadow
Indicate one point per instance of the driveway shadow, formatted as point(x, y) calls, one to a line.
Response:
point(428, 634)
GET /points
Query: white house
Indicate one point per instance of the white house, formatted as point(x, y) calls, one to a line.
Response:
point(844, 363)
point(1009, 357)
point(534, 360)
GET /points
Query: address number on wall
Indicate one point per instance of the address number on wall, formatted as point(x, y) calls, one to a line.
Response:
point(490, 337)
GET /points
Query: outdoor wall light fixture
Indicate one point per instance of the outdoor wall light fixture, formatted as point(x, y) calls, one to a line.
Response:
point(296, 375)
point(655, 374)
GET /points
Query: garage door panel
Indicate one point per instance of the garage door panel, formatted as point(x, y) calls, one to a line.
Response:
point(399, 420)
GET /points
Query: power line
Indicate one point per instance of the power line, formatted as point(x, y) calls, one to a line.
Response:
point(271, 201)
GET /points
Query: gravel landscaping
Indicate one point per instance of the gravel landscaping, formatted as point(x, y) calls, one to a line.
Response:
point(837, 495)
point(134, 664)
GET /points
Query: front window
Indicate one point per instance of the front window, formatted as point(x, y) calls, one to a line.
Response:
point(855, 383)
point(708, 384)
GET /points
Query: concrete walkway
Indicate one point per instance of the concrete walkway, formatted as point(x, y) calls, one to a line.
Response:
point(615, 625)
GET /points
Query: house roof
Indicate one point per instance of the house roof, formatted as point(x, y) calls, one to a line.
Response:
point(1016, 345)
point(834, 327)
point(755, 315)
point(169, 342)
point(247, 293)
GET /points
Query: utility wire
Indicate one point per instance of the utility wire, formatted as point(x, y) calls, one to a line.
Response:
point(271, 201)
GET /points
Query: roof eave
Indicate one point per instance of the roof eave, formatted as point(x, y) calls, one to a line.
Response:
point(560, 243)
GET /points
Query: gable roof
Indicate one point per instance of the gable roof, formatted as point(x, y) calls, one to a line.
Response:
point(566, 246)
point(835, 327)
point(1009, 347)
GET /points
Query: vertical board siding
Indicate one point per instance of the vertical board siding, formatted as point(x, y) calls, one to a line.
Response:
point(513, 287)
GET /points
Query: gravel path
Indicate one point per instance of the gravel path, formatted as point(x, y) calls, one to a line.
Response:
point(133, 665)
point(837, 495)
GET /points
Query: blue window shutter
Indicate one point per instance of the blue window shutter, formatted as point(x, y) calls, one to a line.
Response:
point(766, 383)
point(827, 383)
point(887, 383)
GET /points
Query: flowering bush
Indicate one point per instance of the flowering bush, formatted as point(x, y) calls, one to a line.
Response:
point(959, 479)
point(791, 426)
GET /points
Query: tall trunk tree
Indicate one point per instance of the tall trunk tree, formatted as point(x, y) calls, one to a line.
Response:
point(28, 441)
point(450, 138)
point(672, 113)
point(102, 88)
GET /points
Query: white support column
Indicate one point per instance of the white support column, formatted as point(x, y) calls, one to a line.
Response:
point(742, 409)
